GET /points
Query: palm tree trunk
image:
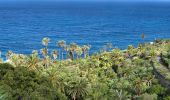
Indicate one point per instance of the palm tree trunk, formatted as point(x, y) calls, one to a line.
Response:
point(74, 98)
point(59, 55)
point(77, 56)
point(84, 54)
point(62, 55)
point(72, 55)
point(66, 55)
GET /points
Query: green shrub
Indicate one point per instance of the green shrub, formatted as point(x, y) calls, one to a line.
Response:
point(148, 97)
point(157, 89)
point(4, 68)
point(27, 84)
point(167, 98)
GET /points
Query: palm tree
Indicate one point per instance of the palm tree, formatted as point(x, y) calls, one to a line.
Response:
point(67, 49)
point(85, 50)
point(0, 54)
point(143, 36)
point(45, 41)
point(77, 89)
point(35, 52)
point(55, 79)
point(33, 60)
point(104, 49)
point(44, 52)
point(72, 49)
point(17, 60)
point(1, 61)
point(9, 53)
point(69, 53)
point(139, 86)
point(109, 46)
point(54, 54)
point(61, 44)
point(79, 51)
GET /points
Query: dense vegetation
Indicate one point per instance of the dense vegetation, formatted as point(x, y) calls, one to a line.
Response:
point(71, 74)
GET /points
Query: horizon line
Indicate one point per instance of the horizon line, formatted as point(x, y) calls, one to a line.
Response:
point(85, 1)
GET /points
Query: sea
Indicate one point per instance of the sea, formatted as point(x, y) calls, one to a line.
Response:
point(24, 24)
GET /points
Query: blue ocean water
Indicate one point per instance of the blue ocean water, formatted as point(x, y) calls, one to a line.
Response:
point(22, 26)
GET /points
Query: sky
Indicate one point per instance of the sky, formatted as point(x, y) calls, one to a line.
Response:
point(90, 0)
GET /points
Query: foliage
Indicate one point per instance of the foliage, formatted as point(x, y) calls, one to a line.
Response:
point(69, 73)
